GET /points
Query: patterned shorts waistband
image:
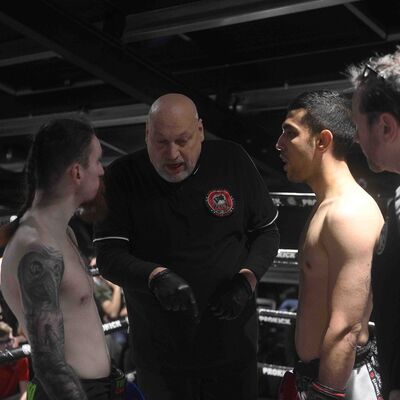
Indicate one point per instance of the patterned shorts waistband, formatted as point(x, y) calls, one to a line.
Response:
point(363, 354)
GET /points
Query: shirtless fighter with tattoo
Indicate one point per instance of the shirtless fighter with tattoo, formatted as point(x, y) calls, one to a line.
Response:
point(44, 279)
point(337, 359)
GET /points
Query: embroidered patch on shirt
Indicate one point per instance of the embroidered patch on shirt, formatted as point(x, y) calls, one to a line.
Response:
point(220, 202)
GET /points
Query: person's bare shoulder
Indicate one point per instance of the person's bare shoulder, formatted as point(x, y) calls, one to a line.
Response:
point(27, 238)
point(354, 218)
point(355, 204)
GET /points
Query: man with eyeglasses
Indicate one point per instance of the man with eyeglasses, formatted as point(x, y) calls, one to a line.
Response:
point(14, 376)
point(376, 112)
point(190, 232)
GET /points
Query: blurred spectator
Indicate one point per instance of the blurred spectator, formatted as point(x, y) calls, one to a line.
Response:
point(111, 304)
point(14, 376)
point(7, 316)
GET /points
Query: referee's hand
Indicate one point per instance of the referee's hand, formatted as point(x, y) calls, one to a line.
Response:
point(174, 293)
point(231, 298)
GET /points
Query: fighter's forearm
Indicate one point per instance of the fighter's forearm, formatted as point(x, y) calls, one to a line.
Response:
point(47, 340)
point(57, 378)
point(337, 357)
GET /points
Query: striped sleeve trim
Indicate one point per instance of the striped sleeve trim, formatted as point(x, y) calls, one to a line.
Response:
point(268, 224)
point(110, 237)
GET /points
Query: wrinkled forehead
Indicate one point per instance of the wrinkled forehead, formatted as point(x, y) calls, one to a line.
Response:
point(172, 123)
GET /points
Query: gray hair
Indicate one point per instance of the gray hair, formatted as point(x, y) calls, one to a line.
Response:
point(378, 82)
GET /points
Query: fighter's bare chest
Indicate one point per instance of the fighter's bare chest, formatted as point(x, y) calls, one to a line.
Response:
point(311, 250)
point(77, 284)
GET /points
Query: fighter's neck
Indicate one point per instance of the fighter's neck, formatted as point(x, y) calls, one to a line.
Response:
point(52, 214)
point(331, 181)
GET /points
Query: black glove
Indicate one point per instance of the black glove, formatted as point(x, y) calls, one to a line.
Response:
point(322, 392)
point(174, 293)
point(231, 298)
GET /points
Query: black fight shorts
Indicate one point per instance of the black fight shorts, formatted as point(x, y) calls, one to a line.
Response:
point(109, 388)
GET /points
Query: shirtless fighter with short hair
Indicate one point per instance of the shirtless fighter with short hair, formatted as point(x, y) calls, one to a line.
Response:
point(335, 253)
point(44, 279)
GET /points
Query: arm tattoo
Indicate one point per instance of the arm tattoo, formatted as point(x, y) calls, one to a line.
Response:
point(39, 274)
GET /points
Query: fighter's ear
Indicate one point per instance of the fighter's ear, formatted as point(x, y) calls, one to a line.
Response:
point(390, 126)
point(324, 140)
point(75, 172)
point(200, 127)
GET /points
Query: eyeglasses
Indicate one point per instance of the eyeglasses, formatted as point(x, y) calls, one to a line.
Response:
point(6, 341)
point(368, 70)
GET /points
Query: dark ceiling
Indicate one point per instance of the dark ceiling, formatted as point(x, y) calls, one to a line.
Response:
point(240, 60)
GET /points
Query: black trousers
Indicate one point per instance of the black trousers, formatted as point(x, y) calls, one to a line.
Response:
point(232, 385)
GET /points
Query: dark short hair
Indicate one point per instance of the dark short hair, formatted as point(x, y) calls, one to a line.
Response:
point(328, 110)
point(377, 81)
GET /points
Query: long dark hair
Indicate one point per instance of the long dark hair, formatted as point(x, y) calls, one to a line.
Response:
point(58, 144)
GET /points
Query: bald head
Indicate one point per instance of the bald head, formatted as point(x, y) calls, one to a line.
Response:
point(173, 107)
point(174, 134)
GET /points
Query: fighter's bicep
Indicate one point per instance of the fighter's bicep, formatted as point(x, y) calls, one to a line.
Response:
point(350, 250)
point(39, 274)
point(350, 297)
point(350, 238)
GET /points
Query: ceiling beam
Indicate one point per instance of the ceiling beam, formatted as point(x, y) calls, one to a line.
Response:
point(176, 20)
point(309, 56)
point(294, 68)
point(85, 47)
point(21, 51)
point(7, 89)
point(393, 36)
point(113, 148)
point(50, 102)
point(367, 20)
point(100, 118)
point(278, 98)
point(59, 89)
point(132, 114)
point(208, 14)
point(115, 64)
